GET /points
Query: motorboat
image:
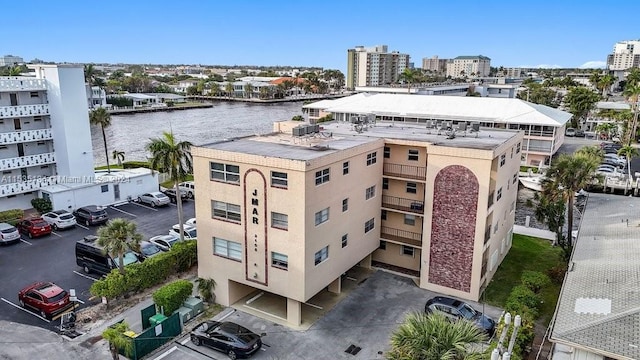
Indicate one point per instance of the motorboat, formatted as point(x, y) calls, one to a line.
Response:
point(532, 182)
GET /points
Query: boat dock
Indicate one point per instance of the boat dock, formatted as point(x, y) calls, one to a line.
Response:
point(135, 110)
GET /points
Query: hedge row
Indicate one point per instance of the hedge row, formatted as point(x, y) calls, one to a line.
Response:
point(151, 272)
point(11, 215)
point(170, 297)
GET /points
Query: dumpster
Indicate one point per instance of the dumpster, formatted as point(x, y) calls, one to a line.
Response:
point(185, 314)
point(157, 319)
point(196, 305)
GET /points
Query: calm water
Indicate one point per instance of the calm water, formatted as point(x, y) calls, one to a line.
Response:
point(130, 133)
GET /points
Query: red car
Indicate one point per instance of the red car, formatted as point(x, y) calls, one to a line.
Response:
point(47, 298)
point(34, 227)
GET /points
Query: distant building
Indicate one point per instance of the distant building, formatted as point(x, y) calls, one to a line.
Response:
point(374, 66)
point(96, 97)
point(468, 66)
point(511, 72)
point(626, 54)
point(10, 60)
point(434, 64)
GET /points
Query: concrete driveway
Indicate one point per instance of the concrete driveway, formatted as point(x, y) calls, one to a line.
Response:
point(365, 318)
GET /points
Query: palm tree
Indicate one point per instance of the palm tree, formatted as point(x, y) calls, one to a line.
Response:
point(632, 92)
point(119, 156)
point(90, 77)
point(593, 151)
point(215, 89)
point(633, 77)
point(205, 289)
point(101, 116)
point(595, 79)
point(628, 152)
point(15, 71)
point(434, 337)
point(174, 158)
point(581, 100)
point(605, 83)
point(248, 90)
point(117, 238)
point(408, 76)
point(229, 89)
point(118, 340)
point(567, 175)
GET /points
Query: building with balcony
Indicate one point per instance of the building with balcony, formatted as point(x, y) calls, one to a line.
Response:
point(434, 65)
point(626, 54)
point(10, 60)
point(374, 66)
point(543, 126)
point(468, 66)
point(290, 212)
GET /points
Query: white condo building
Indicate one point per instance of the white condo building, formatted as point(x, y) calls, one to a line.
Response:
point(10, 60)
point(462, 66)
point(626, 54)
point(374, 66)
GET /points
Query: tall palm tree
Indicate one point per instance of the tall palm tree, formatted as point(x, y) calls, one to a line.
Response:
point(248, 90)
point(118, 340)
point(215, 89)
point(117, 238)
point(229, 89)
point(633, 77)
point(90, 77)
point(628, 152)
point(595, 79)
point(605, 83)
point(174, 158)
point(408, 76)
point(632, 92)
point(101, 116)
point(434, 337)
point(118, 156)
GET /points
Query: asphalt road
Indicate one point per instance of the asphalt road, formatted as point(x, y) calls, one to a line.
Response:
point(52, 258)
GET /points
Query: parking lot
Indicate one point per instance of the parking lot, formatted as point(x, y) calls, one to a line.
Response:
point(52, 258)
point(365, 319)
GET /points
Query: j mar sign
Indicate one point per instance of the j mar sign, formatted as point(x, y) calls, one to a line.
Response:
point(256, 233)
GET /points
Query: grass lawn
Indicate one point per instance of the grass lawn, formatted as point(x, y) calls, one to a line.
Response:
point(104, 167)
point(169, 183)
point(527, 253)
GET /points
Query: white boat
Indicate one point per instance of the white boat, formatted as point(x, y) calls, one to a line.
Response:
point(532, 182)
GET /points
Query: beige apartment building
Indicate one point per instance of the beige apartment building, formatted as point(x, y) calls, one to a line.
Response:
point(374, 66)
point(468, 66)
point(290, 212)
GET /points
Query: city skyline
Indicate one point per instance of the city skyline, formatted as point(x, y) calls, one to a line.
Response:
point(277, 33)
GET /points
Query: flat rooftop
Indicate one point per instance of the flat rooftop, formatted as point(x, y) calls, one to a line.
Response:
point(599, 305)
point(337, 136)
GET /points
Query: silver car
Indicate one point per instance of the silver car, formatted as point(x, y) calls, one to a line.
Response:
point(164, 242)
point(8, 234)
point(60, 219)
point(154, 199)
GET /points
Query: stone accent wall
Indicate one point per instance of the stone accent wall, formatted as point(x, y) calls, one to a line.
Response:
point(455, 201)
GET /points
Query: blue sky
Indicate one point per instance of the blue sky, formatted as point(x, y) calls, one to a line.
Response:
point(560, 33)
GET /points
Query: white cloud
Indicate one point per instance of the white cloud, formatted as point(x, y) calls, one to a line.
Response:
point(595, 64)
point(541, 66)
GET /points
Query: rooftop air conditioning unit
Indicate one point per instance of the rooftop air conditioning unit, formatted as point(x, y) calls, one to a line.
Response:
point(299, 131)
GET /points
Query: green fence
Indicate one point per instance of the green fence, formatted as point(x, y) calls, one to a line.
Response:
point(156, 336)
point(146, 313)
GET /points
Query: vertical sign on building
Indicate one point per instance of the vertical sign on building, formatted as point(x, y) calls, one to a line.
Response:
point(255, 222)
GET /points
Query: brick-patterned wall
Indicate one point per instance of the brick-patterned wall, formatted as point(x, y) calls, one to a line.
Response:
point(455, 200)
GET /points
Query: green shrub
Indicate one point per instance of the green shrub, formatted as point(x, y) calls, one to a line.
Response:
point(41, 205)
point(522, 295)
point(297, 118)
point(171, 296)
point(534, 280)
point(169, 103)
point(525, 336)
point(556, 273)
point(120, 101)
point(325, 118)
point(135, 164)
point(11, 215)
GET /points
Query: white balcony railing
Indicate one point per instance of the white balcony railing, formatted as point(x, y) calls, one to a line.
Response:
point(26, 186)
point(26, 161)
point(25, 136)
point(23, 110)
point(22, 84)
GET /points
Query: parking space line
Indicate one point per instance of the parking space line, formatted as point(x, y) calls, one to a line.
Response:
point(122, 211)
point(25, 241)
point(85, 276)
point(23, 309)
point(82, 226)
point(144, 206)
point(80, 301)
point(56, 234)
point(183, 342)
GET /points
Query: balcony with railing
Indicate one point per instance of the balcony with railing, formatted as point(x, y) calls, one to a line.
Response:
point(401, 236)
point(23, 110)
point(402, 204)
point(27, 161)
point(22, 84)
point(15, 137)
point(487, 234)
point(20, 187)
point(405, 171)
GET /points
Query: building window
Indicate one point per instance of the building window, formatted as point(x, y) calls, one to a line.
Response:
point(518, 148)
point(37, 118)
point(498, 194)
point(279, 221)
point(40, 143)
point(515, 178)
point(224, 211)
point(383, 245)
point(229, 249)
point(225, 172)
point(44, 167)
point(369, 225)
point(345, 204)
point(385, 183)
point(322, 216)
point(104, 188)
point(409, 219)
point(345, 168)
point(321, 255)
point(279, 179)
point(280, 261)
point(413, 155)
point(383, 215)
point(407, 250)
point(371, 158)
point(386, 152)
point(503, 160)
point(33, 94)
point(345, 238)
point(370, 192)
point(512, 153)
point(412, 188)
point(322, 176)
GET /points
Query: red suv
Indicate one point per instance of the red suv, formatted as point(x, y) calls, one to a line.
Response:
point(46, 298)
point(34, 227)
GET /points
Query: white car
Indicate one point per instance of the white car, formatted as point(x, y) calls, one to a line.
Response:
point(154, 199)
point(164, 242)
point(190, 231)
point(8, 233)
point(60, 219)
point(191, 221)
point(189, 188)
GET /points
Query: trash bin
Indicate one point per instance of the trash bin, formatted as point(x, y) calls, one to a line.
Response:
point(196, 305)
point(185, 314)
point(157, 319)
